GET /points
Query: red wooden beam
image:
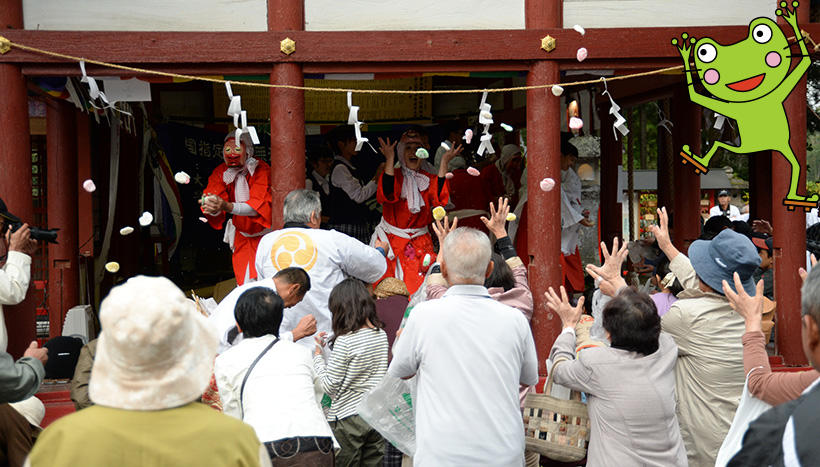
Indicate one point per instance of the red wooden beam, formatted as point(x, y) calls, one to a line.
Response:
point(358, 46)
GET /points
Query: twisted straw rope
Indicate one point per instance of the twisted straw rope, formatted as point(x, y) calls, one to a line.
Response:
point(7, 43)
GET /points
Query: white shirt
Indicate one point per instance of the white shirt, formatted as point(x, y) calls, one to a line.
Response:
point(471, 353)
point(342, 178)
point(328, 257)
point(223, 319)
point(282, 395)
point(14, 280)
point(734, 212)
point(571, 211)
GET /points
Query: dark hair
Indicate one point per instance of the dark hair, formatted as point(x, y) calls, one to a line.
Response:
point(714, 226)
point(501, 276)
point(340, 134)
point(567, 148)
point(317, 153)
point(258, 312)
point(352, 307)
point(742, 227)
point(662, 269)
point(633, 323)
point(294, 275)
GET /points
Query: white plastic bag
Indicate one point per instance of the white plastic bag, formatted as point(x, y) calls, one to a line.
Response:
point(749, 408)
point(388, 408)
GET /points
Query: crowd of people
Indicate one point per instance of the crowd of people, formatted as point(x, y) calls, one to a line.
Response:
point(278, 372)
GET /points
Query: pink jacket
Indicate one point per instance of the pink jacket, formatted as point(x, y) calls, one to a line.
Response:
point(519, 297)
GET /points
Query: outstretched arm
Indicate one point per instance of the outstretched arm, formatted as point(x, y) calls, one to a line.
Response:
point(792, 78)
point(684, 46)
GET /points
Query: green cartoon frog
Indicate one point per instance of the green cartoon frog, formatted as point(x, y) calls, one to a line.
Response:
point(750, 80)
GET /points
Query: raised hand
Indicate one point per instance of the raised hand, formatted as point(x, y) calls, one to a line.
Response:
point(610, 272)
point(569, 315)
point(661, 233)
point(442, 228)
point(789, 15)
point(684, 47)
point(447, 157)
point(750, 307)
point(388, 149)
point(802, 271)
point(498, 218)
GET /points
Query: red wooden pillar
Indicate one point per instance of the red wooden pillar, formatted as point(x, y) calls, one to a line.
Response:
point(543, 209)
point(686, 204)
point(15, 157)
point(789, 229)
point(287, 111)
point(611, 156)
point(61, 179)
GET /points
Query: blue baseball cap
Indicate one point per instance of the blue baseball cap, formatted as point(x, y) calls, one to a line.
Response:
point(717, 259)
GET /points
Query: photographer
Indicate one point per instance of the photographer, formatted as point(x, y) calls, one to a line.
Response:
point(16, 250)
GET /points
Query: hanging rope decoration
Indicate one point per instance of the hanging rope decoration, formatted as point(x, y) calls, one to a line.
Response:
point(353, 119)
point(663, 122)
point(614, 109)
point(240, 117)
point(5, 43)
point(485, 117)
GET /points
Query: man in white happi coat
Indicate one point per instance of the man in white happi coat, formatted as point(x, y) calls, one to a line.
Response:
point(328, 257)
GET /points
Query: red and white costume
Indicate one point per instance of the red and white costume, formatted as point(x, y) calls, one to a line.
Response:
point(249, 184)
point(571, 217)
point(407, 214)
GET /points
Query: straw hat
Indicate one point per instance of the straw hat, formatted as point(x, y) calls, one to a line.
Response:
point(155, 351)
point(390, 286)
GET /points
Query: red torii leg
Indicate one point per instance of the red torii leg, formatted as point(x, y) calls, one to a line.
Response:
point(287, 112)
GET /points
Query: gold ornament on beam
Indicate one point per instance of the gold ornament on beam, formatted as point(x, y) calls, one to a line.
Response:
point(5, 45)
point(287, 46)
point(548, 43)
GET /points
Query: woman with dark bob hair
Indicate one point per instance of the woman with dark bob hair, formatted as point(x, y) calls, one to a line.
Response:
point(630, 385)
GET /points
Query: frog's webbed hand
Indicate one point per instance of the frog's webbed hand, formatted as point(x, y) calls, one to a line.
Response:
point(684, 46)
point(791, 17)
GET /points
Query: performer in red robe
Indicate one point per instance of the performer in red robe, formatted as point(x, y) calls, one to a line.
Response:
point(408, 196)
point(241, 187)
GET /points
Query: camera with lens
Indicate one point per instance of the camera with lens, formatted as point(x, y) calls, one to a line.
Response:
point(13, 223)
point(45, 235)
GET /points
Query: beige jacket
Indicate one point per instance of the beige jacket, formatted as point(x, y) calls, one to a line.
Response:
point(709, 373)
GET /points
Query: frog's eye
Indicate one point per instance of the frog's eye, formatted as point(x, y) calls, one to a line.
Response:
point(707, 53)
point(762, 33)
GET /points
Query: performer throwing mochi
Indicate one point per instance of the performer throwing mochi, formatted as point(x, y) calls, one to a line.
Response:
point(241, 187)
point(408, 197)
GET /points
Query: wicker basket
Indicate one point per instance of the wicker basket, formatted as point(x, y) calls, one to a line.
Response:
point(556, 428)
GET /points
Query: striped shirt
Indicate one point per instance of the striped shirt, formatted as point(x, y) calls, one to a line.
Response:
point(357, 364)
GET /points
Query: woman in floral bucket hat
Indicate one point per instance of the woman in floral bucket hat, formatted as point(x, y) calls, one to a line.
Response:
point(154, 359)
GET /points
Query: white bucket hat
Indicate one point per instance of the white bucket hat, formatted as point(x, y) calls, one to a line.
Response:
point(155, 351)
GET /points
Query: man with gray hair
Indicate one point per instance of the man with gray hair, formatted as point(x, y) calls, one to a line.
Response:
point(472, 352)
point(327, 256)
